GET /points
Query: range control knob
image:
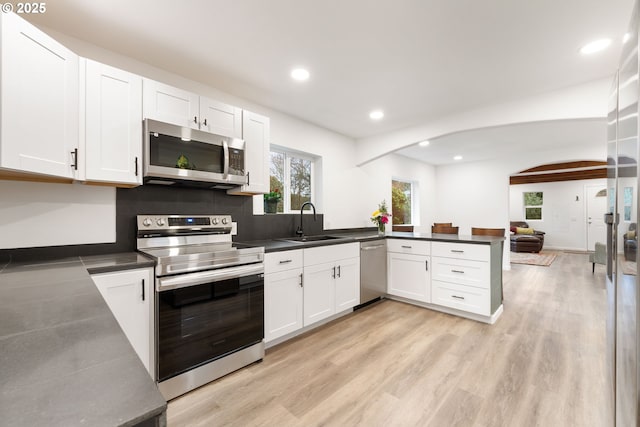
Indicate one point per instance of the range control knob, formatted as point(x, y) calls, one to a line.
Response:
point(147, 222)
point(160, 222)
point(214, 221)
point(225, 221)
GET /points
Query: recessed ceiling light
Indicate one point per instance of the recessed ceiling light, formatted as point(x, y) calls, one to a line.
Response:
point(300, 74)
point(376, 115)
point(595, 46)
point(423, 143)
point(457, 157)
point(626, 37)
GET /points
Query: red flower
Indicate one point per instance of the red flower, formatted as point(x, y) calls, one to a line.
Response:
point(384, 219)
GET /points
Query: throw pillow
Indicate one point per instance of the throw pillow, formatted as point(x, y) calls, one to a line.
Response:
point(522, 230)
point(513, 229)
point(631, 234)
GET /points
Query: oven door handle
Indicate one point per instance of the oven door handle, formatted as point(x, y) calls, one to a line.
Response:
point(193, 279)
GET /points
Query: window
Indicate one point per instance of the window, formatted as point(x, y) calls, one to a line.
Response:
point(628, 200)
point(402, 203)
point(292, 175)
point(532, 205)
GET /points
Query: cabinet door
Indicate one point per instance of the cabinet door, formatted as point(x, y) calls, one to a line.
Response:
point(319, 292)
point(171, 105)
point(129, 295)
point(255, 132)
point(282, 303)
point(39, 97)
point(219, 118)
point(409, 276)
point(113, 124)
point(347, 284)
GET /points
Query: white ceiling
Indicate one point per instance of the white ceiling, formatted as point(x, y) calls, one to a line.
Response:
point(414, 59)
point(491, 143)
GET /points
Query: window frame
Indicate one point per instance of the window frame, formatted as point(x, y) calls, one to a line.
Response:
point(286, 185)
point(525, 206)
point(415, 205)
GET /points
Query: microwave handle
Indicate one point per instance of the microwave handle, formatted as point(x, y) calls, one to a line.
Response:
point(225, 167)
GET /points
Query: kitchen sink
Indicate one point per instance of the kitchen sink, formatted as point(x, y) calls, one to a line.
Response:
point(310, 238)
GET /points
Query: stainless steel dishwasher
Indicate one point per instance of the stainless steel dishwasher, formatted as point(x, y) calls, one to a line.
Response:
point(373, 270)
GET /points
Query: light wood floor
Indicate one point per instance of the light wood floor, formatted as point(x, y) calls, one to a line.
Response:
point(541, 364)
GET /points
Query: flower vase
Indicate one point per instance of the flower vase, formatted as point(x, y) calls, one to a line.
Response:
point(381, 229)
point(270, 206)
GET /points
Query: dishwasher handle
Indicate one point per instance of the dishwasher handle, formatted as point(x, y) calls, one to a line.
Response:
point(371, 248)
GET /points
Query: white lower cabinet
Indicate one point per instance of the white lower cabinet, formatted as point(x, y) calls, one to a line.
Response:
point(409, 270)
point(283, 294)
point(331, 280)
point(129, 294)
point(305, 286)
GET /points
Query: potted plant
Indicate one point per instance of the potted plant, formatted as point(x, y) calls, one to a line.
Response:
point(271, 200)
point(381, 217)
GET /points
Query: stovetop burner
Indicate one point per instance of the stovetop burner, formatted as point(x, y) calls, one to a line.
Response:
point(183, 244)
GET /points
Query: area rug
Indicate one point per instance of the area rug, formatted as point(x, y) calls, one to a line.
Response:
point(543, 258)
point(629, 268)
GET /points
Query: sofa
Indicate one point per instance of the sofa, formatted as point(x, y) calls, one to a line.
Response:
point(524, 238)
point(630, 239)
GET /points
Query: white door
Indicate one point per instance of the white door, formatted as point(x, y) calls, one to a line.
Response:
point(255, 132)
point(319, 292)
point(409, 276)
point(113, 117)
point(129, 294)
point(282, 303)
point(39, 100)
point(596, 208)
point(219, 118)
point(347, 284)
point(170, 105)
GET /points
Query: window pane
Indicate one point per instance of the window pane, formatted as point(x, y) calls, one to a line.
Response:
point(276, 178)
point(300, 174)
point(533, 199)
point(401, 202)
point(533, 213)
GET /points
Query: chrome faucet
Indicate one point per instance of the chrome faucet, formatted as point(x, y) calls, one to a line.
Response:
point(299, 231)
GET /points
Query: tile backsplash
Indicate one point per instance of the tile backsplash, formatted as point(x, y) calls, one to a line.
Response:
point(157, 199)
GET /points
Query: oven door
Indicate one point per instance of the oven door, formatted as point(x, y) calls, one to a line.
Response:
point(207, 315)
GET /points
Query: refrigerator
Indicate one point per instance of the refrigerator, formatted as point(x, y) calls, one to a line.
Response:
point(622, 217)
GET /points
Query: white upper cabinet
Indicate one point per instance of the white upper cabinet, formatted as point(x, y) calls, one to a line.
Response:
point(172, 105)
point(219, 118)
point(39, 101)
point(113, 124)
point(255, 132)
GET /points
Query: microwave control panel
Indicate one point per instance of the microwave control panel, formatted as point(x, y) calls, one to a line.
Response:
point(236, 161)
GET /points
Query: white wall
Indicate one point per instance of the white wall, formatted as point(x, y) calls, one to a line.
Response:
point(583, 101)
point(376, 186)
point(477, 194)
point(39, 214)
point(564, 219)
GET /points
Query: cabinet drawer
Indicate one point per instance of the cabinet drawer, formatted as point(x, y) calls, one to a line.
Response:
point(331, 253)
point(461, 250)
point(281, 261)
point(465, 298)
point(470, 273)
point(407, 246)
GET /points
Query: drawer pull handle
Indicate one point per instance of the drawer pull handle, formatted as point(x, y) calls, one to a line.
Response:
point(406, 247)
point(456, 297)
point(457, 271)
point(286, 261)
point(457, 251)
point(301, 280)
point(426, 265)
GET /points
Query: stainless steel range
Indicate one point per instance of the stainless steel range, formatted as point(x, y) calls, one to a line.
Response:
point(209, 299)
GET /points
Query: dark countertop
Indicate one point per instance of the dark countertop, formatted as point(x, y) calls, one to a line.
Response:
point(64, 360)
point(277, 245)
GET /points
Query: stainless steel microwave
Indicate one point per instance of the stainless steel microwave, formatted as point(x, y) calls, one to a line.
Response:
point(181, 155)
